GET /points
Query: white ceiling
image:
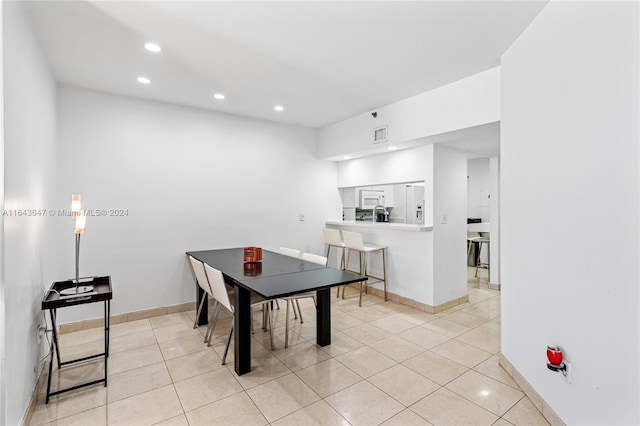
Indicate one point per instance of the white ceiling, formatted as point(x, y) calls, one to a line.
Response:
point(323, 61)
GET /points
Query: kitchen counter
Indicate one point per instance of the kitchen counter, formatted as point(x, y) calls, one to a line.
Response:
point(409, 257)
point(479, 227)
point(381, 225)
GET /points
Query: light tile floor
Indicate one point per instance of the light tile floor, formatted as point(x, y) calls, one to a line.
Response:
point(387, 364)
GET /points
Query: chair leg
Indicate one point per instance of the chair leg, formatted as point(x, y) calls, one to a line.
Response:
point(363, 271)
point(384, 271)
point(195, 323)
point(286, 327)
point(299, 311)
point(270, 329)
point(226, 350)
point(265, 311)
point(212, 324)
point(346, 267)
point(209, 330)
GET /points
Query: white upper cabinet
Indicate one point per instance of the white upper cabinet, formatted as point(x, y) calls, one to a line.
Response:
point(388, 195)
point(350, 197)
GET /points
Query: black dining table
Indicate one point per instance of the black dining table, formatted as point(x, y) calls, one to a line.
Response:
point(275, 276)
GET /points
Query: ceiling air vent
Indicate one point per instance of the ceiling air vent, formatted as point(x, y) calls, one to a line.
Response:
point(380, 134)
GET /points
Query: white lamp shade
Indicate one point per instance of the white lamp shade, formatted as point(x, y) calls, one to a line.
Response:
point(76, 203)
point(81, 222)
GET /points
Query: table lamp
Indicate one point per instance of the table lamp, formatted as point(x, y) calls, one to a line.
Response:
point(80, 219)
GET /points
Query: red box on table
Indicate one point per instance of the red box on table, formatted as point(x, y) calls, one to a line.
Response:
point(252, 254)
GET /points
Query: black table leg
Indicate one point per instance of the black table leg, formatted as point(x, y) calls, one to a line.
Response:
point(54, 340)
point(203, 319)
point(323, 317)
point(242, 331)
point(107, 327)
point(54, 330)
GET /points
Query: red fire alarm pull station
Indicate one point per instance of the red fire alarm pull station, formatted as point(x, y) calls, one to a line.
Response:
point(554, 357)
point(557, 362)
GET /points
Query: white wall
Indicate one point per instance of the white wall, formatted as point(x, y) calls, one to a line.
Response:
point(465, 103)
point(190, 180)
point(570, 208)
point(449, 224)
point(494, 229)
point(3, 319)
point(479, 185)
point(29, 181)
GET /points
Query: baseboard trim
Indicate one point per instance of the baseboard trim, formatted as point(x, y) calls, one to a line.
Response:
point(33, 402)
point(494, 286)
point(414, 303)
point(156, 312)
point(131, 316)
point(542, 406)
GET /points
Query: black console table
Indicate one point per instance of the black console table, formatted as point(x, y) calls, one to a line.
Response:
point(53, 300)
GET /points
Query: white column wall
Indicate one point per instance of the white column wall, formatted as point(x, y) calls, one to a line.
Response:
point(449, 224)
point(189, 180)
point(570, 207)
point(494, 228)
point(3, 319)
point(29, 165)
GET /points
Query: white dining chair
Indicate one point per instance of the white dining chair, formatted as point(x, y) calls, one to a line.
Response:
point(296, 254)
point(353, 242)
point(220, 293)
point(289, 252)
point(201, 278)
point(308, 257)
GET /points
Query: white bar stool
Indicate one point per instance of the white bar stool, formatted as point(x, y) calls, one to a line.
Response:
point(482, 241)
point(353, 242)
point(332, 238)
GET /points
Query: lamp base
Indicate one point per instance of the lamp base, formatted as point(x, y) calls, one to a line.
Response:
point(72, 291)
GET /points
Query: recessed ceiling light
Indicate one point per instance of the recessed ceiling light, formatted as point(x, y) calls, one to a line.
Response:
point(346, 157)
point(391, 148)
point(278, 108)
point(218, 96)
point(143, 80)
point(152, 47)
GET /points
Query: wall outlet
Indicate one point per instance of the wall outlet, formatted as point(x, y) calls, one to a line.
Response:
point(40, 331)
point(567, 372)
point(301, 217)
point(444, 219)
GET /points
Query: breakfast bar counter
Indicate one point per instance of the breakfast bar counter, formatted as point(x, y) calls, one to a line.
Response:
point(409, 257)
point(381, 225)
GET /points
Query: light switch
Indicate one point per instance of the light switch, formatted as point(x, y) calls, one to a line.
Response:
point(444, 219)
point(301, 217)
